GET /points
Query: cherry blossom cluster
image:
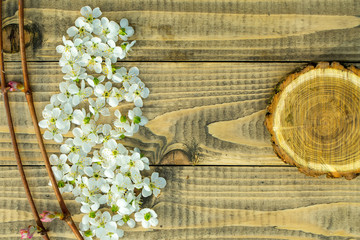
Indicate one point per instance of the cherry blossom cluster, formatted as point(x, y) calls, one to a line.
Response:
point(93, 164)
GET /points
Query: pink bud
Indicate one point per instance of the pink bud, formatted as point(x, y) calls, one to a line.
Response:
point(27, 233)
point(47, 216)
point(15, 86)
point(23, 233)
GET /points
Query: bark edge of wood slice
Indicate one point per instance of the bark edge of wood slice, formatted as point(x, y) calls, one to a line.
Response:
point(314, 120)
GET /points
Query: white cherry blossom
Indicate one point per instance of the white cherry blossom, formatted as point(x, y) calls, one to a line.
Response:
point(68, 49)
point(76, 74)
point(51, 116)
point(134, 161)
point(109, 232)
point(81, 29)
point(125, 218)
point(80, 117)
point(79, 43)
point(147, 217)
point(68, 63)
point(121, 75)
point(135, 115)
point(154, 185)
point(136, 93)
point(123, 126)
point(59, 165)
point(104, 133)
point(98, 107)
point(54, 134)
point(84, 139)
point(103, 90)
point(125, 30)
point(93, 164)
point(91, 62)
point(107, 29)
point(126, 47)
point(113, 52)
point(95, 46)
point(79, 94)
point(90, 14)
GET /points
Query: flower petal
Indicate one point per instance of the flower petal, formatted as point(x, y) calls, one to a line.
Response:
point(72, 31)
point(73, 89)
point(96, 12)
point(86, 11)
point(134, 71)
point(124, 22)
point(145, 224)
point(156, 192)
point(86, 147)
point(145, 192)
point(113, 102)
point(89, 171)
point(48, 135)
point(77, 132)
point(85, 209)
point(43, 124)
point(131, 223)
point(138, 102)
point(153, 222)
point(58, 138)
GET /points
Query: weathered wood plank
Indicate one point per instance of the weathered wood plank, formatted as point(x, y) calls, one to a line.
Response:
point(235, 30)
point(214, 112)
point(213, 203)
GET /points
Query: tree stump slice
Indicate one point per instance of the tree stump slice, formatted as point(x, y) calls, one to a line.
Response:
point(314, 120)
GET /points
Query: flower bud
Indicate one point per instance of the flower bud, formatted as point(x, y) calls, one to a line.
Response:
point(47, 216)
point(27, 233)
point(15, 86)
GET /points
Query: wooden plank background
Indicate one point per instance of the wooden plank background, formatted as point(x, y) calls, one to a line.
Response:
point(207, 30)
point(211, 67)
point(213, 203)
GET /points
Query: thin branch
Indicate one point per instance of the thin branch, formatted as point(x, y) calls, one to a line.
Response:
point(13, 138)
point(29, 98)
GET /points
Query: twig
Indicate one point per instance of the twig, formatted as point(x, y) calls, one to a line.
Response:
point(67, 216)
point(13, 138)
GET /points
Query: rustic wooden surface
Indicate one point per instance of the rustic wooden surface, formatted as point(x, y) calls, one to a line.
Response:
point(213, 203)
point(189, 108)
point(211, 67)
point(206, 30)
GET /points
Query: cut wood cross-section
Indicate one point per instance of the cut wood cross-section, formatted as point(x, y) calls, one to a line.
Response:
point(314, 119)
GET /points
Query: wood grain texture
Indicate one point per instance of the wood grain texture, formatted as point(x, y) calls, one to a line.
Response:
point(212, 203)
point(313, 120)
point(214, 112)
point(183, 30)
